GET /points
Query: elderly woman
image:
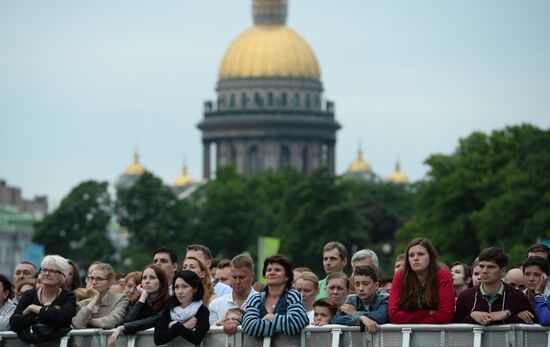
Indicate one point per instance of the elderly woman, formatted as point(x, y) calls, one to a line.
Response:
point(6, 305)
point(278, 308)
point(104, 309)
point(131, 283)
point(45, 313)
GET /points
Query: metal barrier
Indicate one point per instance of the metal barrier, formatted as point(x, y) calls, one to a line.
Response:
point(390, 335)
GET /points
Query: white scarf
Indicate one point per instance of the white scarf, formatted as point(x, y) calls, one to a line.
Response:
point(182, 314)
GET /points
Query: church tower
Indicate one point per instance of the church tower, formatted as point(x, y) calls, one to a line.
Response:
point(269, 113)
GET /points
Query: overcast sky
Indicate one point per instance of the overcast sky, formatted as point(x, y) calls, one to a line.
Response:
point(83, 82)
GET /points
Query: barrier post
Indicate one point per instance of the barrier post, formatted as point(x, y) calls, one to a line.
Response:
point(406, 339)
point(336, 337)
point(477, 337)
point(267, 342)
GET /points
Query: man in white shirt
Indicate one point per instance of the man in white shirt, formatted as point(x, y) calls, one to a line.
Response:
point(203, 253)
point(242, 273)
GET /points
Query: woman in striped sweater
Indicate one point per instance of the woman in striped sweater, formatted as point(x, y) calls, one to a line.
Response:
point(278, 308)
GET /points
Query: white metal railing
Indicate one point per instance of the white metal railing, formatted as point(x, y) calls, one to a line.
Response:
point(390, 335)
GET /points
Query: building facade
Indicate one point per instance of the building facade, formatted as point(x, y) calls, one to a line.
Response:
point(270, 113)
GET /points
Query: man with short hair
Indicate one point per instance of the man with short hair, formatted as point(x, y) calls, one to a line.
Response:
point(24, 270)
point(335, 258)
point(167, 260)
point(493, 301)
point(223, 272)
point(365, 257)
point(514, 277)
point(203, 253)
point(538, 250)
point(242, 273)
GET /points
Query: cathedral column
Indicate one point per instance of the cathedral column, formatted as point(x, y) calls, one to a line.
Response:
point(206, 160)
point(331, 159)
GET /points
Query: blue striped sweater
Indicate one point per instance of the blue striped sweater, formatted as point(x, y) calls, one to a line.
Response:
point(290, 323)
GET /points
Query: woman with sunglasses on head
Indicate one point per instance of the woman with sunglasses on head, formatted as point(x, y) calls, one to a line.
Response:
point(422, 292)
point(45, 313)
point(185, 314)
point(104, 309)
point(150, 305)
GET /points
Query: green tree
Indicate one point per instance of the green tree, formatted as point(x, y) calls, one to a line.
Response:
point(77, 229)
point(493, 190)
point(153, 217)
point(316, 210)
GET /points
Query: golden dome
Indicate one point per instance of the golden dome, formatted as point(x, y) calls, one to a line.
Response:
point(359, 165)
point(397, 176)
point(135, 168)
point(269, 48)
point(184, 179)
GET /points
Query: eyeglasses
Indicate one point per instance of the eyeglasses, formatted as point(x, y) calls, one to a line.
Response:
point(49, 271)
point(91, 279)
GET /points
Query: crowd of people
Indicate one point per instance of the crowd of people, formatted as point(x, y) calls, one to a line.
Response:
point(46, 303)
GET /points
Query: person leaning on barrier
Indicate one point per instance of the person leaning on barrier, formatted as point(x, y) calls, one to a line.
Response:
point(104, 309)
point(535, 270)
point(423, 291)
point(185, 315)
point(150, 305)
point(278, 308)
point(7, 306)
point(338, 287)
point(493, 301)
point(368, 306)
point(45, 313)
point(324, 309)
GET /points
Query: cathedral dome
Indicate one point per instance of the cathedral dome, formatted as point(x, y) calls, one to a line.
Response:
point(359, 164)
point(184, 179)
point(397, 176)
point(135, 168)
point(269, 48)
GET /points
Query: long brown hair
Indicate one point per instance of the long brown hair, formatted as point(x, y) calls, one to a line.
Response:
point(411, 286)
point(206, 280)
point(163, 288)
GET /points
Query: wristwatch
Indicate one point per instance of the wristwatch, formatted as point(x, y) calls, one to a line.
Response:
point(508, 313)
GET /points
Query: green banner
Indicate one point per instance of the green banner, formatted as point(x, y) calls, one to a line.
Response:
point(267, 246)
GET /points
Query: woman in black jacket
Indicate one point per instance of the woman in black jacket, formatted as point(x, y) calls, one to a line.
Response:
point(45, 313)
point(185, 314)
point(148, 309)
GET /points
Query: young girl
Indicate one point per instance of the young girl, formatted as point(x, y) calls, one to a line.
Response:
point(150, 305)
point(185, 314)
point(423, 291)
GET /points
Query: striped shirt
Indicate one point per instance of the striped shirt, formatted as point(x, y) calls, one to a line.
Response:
point(290, 323)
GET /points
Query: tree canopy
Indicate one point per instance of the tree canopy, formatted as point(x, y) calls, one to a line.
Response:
point(493, 190)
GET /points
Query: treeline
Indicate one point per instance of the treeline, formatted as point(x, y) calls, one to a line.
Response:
point(493, 190)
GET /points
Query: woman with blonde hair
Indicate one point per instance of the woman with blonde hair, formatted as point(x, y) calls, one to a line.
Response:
point(104, 309)
point(308, 286)
point(199, 267)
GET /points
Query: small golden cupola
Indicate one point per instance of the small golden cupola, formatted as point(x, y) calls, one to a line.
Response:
point(184, 179)
point(397, 176)
point(135, 168)
point(359, 164)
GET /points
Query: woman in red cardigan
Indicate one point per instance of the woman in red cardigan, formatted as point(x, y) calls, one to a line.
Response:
point(423, 291)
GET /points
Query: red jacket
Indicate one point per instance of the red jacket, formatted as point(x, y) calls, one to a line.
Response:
point(443, 314)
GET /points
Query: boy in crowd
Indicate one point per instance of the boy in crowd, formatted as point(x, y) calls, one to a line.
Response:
point(493, 301)
point(323, 311)
point(368, 306)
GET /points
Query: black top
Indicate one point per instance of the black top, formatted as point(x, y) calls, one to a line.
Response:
point(53, 320)
point(140, 317)
point(163, 334)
